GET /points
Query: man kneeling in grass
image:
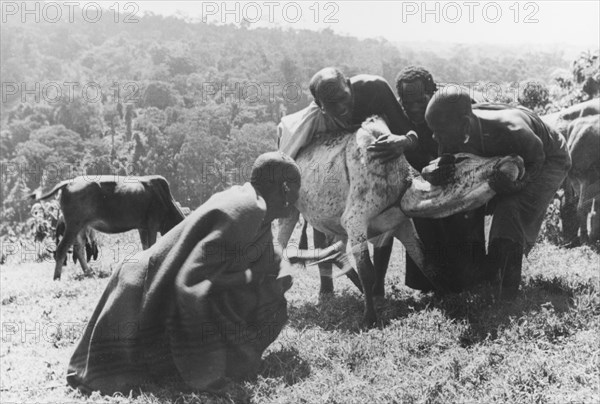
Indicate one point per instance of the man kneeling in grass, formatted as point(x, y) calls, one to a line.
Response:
point(202, 304)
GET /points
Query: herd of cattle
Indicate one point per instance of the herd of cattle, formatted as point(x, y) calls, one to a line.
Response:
point(146, 204)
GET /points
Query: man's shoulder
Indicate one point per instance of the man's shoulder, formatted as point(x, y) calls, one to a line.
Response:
point(509, 120)
point(238, 204)
point(239, 198)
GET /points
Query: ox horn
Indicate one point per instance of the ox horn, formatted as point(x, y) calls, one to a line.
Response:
point(512, 166)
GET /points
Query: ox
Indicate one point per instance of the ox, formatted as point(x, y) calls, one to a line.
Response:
point(560, 121)
point(114, 204)
point(352, 196)
point(584, 146)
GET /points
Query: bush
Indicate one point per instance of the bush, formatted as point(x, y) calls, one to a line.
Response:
point(534, 95)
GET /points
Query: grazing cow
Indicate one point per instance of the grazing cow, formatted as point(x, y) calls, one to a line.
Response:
point(113, 204)
point(561, 121)
point(584, 146)
point(350, 195)
point(85, 239)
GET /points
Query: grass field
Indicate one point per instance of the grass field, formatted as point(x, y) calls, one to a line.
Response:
point(544, 347)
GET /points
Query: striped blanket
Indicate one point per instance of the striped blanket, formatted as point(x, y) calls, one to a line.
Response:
point(183, 310)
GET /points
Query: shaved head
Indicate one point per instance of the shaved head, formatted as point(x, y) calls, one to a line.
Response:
point(272, 169)
point(327, 85)
point(449, 103)
point(448, 116)
point(276, 177)
point(332, 92)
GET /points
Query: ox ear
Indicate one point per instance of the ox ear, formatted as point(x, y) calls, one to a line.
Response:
point(446, 159)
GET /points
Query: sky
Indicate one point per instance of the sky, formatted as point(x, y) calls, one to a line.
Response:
point(502, 22)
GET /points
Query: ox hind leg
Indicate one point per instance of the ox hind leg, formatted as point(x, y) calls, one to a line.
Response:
point(382, 252)
point(79, 252)
point(67, 241)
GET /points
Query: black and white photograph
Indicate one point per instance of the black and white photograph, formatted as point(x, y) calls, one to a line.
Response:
point(320, 202)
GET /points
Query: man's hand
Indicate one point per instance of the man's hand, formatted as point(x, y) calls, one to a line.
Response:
point(503, 185)
point(389, 146)
point(441, 175)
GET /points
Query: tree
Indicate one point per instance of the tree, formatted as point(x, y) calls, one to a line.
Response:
point(129, 115)
point(159, 94)
point(202, 168)
point(586, 72)
point(15, 207)
point(52, 148)
point(534, 95)
point(80, 115)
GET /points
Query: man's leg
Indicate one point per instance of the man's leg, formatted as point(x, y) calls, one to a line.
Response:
point(517, 222)
point(427, 230)
point(325, 269)
point(505, 259)
point(463, 247)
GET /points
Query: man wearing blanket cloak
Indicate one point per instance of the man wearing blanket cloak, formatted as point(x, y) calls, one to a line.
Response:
point(203, 303)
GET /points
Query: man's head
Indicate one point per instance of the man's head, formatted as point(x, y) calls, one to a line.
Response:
point(449, 115)
point(333, 94)
point(415, 88)
point(277, 178)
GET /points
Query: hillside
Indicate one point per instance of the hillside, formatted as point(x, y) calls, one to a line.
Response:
point(193, 102)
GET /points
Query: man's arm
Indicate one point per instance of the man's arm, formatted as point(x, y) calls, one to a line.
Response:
point(390, 107)
point(525, 143)
point(389, 147)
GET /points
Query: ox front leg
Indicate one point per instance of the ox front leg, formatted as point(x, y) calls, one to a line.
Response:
point(325, 268)
point(144, 238)
point(152, 234)
point(407, 234)
point(366, 272)
point(357, 234)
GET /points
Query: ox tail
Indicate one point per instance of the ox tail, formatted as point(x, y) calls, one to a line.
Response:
point(37, 195)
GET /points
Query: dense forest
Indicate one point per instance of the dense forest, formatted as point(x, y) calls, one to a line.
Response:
point(198, 102)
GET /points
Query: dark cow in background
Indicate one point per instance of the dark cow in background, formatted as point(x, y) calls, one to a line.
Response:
point(572, 212)
point(584, 146)
point(114, 204)
point(560, 120)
